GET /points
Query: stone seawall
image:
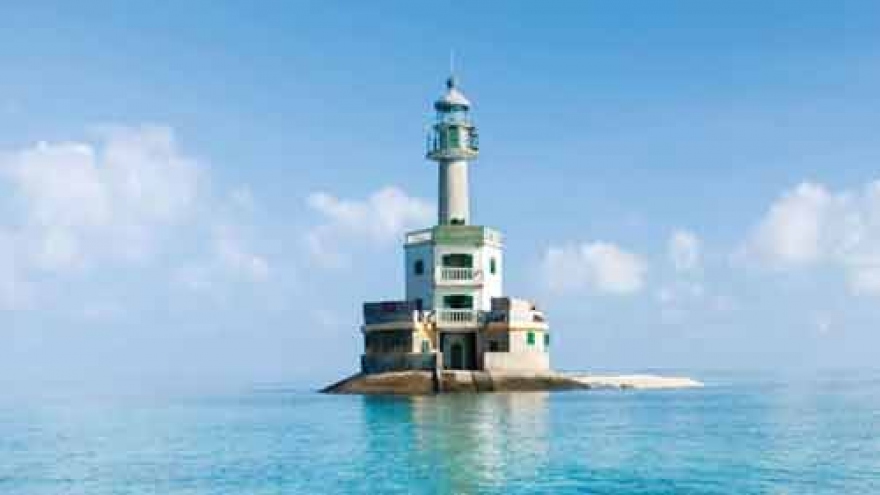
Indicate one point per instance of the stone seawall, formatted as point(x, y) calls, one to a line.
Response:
point(428, 382)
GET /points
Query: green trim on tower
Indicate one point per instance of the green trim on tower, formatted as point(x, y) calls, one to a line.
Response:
point(474, 235)
point(458, 234)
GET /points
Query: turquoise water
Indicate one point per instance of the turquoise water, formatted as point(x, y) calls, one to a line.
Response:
point(739, 435)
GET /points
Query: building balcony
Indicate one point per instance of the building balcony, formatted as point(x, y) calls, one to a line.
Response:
point(458, 318)
point(392, 314)
point(444, 275)
point(508, 313)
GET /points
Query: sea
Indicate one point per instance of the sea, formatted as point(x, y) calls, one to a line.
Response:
point(743, 433)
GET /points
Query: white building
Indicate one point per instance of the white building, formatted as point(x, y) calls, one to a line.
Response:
point(455, 315)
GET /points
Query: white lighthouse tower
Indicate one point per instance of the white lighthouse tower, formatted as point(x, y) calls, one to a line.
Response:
point(452, 143)
point(454, 315)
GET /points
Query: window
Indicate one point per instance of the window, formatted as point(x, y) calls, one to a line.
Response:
point(419, 304)
point(474, 139)
point(492, 266)
point(458, 261)
point(458, 301)
point(546, 340)
point(530, 338)
point(419, 267)
point(454, 139)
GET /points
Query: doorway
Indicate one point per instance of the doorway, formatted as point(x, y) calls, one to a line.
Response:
point(456, 357)
point(459, 350)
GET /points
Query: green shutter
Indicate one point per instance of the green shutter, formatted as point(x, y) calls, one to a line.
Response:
point(530, 338)
point(546, 340)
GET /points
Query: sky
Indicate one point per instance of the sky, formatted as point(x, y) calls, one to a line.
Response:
point(205, 192)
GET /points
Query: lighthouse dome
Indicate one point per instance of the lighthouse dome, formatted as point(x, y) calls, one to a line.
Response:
point(453, 99)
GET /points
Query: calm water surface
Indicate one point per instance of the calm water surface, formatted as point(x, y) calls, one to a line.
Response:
point(740, 435)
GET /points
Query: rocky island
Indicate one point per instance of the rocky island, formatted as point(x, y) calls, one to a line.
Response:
point(425, 382)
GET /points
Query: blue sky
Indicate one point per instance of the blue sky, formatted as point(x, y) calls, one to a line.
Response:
point(703, 175)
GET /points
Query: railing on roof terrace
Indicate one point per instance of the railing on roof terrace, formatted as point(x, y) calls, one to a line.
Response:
point(454, 234)
point(391, 312)
point(505, 316)
point(423, 235)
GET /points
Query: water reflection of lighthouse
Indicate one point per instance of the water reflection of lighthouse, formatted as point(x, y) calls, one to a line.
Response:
point(464, 443)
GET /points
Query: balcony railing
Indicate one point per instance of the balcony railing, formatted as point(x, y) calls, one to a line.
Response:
point(459, 275)
point(458, 317)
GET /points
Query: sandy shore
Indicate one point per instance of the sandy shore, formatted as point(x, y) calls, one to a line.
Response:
point(424, 382)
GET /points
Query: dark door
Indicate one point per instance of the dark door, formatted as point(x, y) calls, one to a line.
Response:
point(456, 358)
point(471, 343)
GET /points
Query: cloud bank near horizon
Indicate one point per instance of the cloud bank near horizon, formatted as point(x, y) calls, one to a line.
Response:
point(125, 198)
point(128, 207)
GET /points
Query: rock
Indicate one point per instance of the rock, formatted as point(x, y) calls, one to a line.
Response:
point(457, 381)
point(398, 382)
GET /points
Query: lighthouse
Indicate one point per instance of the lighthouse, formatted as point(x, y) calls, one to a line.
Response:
point(454, 315)
point(452, 143)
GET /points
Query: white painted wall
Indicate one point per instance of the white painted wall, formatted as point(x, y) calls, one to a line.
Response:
point(453, 192)
point(521, 361)
point(420, 286)
point(492, 285)
point(519, 341)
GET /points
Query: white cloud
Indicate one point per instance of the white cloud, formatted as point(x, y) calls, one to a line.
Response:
point(792, 230)
point(599, 266)
point(864, 278)
point(230, 251)
point(684, 249)
point(227, 258)
point(382, 217)
point(77, 202)
point(127, 196)
point(812, 225)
